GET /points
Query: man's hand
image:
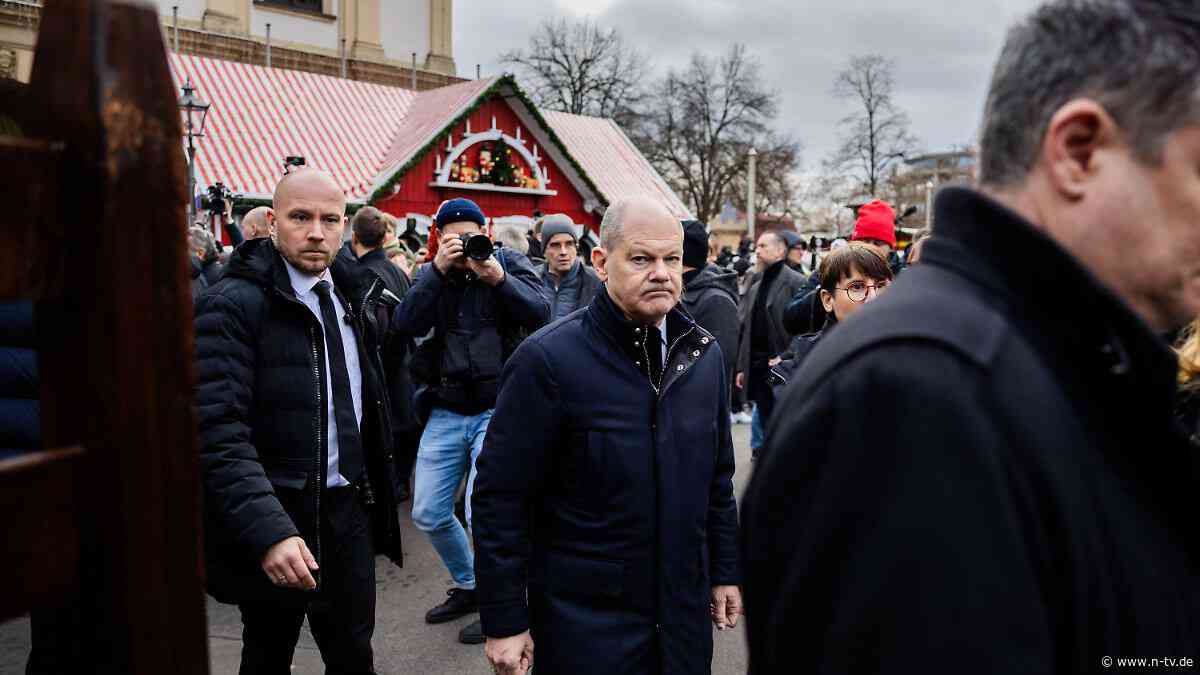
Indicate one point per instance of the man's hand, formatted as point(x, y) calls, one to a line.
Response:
point(775, 360)
point(726, 606)
point(450, 251)
point(510, 655)
point(287, 564)
point(740, 380)
point(489, 271)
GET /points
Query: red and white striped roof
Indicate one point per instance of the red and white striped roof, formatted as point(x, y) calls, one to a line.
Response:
point(363, 133)
point(611, 160)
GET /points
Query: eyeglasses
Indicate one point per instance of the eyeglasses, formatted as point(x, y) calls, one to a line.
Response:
point(858, 291)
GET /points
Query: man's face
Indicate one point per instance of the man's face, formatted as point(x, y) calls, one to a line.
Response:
point(769, 250)
point(644, 272)
point(561, 253)
point(307, 222)
point(852, 294)
point(795, 255)
point(1144, 239)
point(462, 230)
point(389, 235)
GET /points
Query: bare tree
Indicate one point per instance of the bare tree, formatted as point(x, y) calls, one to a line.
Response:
point(876, 135)
point(580, 68)
point(702, 120)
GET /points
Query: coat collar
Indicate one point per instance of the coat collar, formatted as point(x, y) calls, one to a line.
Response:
point(686, 341)
point(1046, 288)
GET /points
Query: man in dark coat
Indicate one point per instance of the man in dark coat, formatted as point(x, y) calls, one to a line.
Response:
point(762, 336)
point(295, 444)
point(605, 523)
point(983, 467)
point(569, 283)
point(710, 293)
point(365, 251)
point(479, 311)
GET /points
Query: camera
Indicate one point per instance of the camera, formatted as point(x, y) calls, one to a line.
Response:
point(478, 247)
point(216, 198)
point(291, 161)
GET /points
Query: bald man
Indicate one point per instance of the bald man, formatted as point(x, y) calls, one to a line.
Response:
point(295, 446)
point(605, 524)
point(254, 223)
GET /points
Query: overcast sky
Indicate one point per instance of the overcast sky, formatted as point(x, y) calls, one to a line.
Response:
point(943, 49)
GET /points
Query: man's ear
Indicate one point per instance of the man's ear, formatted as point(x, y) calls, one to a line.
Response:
point(827, 301)
point(1078, 131)
point(600, 262)
point(270, 218)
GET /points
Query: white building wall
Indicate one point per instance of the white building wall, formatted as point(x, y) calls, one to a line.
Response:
point(189, 10)
point(299, 29)
point(404, 29)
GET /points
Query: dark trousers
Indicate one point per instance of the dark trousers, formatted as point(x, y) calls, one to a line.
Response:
point(341, 612)
point(761, 393)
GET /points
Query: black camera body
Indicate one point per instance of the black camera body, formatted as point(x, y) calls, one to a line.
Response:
point(216, 198)
point(478, 247)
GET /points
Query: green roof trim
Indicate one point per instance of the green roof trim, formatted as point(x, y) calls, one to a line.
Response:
point(485, 96)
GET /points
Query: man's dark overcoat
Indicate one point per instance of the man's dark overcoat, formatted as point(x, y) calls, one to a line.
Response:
point(612, 501)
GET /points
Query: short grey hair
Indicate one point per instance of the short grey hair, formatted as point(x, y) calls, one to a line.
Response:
point(612, 226)
point(1139, 60)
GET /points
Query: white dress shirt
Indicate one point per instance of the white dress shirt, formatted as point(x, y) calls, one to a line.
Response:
point(303, 283)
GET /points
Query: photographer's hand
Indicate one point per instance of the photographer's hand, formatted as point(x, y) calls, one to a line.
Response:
point(489, 271)
point(450, 250)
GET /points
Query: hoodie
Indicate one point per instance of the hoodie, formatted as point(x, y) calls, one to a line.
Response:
point(710, 296)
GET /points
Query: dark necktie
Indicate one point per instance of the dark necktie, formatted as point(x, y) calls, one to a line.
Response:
point(654, 355)
point(350, 455)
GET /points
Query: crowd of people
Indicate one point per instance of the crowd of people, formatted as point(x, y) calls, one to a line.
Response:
point(964, 458)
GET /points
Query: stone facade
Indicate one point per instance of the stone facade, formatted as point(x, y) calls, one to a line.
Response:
point(307, 40)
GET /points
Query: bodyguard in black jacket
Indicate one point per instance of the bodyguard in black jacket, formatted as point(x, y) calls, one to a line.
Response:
point(292, 527)
point(983, 467)
point(605, 523)
point(710, 293)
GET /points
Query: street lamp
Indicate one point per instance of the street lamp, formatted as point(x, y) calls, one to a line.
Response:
point(751, 174)
point(195, 111)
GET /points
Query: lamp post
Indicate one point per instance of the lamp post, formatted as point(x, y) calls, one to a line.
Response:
point(751, 171)
point(928, 204)
point(195, 113)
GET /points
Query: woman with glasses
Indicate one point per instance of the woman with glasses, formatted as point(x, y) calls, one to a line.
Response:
point(851, 276)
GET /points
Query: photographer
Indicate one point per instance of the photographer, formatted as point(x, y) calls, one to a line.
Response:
point(480, 303)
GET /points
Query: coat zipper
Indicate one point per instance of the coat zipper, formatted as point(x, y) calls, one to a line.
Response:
point(666, 360)
point(320, 450)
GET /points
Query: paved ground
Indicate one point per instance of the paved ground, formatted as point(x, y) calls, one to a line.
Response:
point(404, 643)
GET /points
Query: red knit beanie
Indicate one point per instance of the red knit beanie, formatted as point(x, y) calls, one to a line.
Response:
point(876, 220)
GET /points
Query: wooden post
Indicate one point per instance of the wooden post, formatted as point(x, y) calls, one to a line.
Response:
point(115, 337)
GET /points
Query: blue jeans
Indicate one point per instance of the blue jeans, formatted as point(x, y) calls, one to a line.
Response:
point(449, 446)
point(756, 430)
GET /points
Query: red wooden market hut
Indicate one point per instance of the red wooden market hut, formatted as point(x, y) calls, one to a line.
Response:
point(405, 152)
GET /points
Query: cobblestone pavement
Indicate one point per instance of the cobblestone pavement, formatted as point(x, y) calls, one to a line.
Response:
point(404, 643)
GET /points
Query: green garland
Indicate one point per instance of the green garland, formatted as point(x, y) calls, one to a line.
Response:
point(487, 95)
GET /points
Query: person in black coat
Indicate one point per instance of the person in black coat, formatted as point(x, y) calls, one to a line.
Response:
point(762, 335)
point(984, 466)
point(365, 251)
point(710, 293)
point(851, 277)
point(295, 443)
point(605, 522)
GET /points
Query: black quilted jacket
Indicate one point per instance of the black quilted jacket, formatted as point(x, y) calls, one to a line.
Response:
point(262, 426)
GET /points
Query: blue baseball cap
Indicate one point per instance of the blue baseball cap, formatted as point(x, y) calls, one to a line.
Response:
point(459, 211)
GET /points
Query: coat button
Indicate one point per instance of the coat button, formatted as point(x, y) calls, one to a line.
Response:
point(638, 364)
point(703, 340)
point(679, 367)
point(637, 344)
point(696, 354)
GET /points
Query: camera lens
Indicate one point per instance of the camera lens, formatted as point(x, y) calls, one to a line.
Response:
point(478, 247)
